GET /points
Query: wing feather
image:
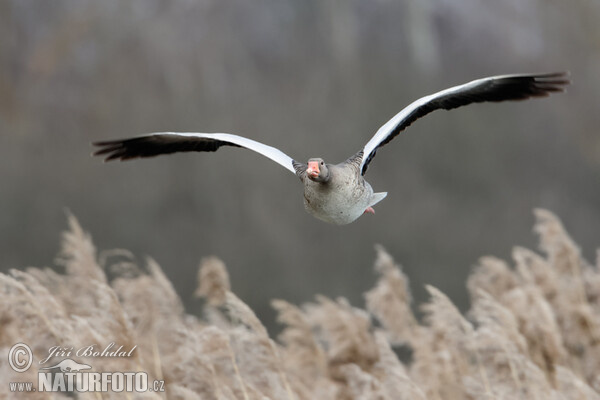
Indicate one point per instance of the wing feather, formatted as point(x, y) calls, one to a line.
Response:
point(492, 89)
point(155, 144)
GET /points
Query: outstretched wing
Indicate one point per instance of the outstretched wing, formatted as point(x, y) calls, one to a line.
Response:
point(494, 88)
point(155, 144)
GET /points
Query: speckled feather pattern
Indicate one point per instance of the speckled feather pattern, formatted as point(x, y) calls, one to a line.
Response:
point(342, 199)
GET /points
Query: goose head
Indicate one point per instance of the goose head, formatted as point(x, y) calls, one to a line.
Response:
point(317, 170)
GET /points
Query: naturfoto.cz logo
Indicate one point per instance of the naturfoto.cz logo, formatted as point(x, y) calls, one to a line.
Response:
point(69, 375)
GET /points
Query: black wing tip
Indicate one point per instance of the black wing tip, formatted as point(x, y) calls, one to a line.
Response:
point(561, 77)
point(525, 86)
point(155, 144)
point(554, 78)
point(111, 150)
point(106, 159)
point(554, 82)
point(553, 74)
point(95, 154)
point(107, 142)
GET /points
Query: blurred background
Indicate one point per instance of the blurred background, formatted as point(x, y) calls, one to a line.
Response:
point(315, 78)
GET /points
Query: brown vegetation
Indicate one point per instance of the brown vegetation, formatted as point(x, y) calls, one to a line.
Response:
point(533, 331)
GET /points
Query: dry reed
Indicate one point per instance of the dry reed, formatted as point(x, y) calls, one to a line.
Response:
point(533, 330)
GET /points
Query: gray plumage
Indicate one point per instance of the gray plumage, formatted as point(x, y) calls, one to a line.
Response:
point(341, 198)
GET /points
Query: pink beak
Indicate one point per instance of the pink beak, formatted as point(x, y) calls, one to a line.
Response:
point(313, 169)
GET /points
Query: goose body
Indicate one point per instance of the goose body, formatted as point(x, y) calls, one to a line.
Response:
point(344, 197)
point(338, 193)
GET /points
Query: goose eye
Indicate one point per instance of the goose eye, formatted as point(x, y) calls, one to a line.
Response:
point(322, 163)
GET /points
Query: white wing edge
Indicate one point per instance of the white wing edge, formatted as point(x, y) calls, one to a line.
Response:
point(268, 151)
point(383, 132)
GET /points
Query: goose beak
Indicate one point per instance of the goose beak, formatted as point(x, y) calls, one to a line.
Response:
point(313, 169)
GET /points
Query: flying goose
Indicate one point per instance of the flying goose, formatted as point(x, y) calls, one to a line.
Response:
point(338, 193)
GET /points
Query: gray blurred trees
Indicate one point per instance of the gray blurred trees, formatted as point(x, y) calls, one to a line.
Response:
point(314, 78)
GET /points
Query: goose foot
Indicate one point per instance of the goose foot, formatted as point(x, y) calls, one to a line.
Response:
point(369, 210)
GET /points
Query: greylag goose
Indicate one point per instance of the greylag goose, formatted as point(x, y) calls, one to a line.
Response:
point(338, 193)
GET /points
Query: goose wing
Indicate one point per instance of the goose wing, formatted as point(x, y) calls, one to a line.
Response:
point(492, 89)
point(155, 144)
